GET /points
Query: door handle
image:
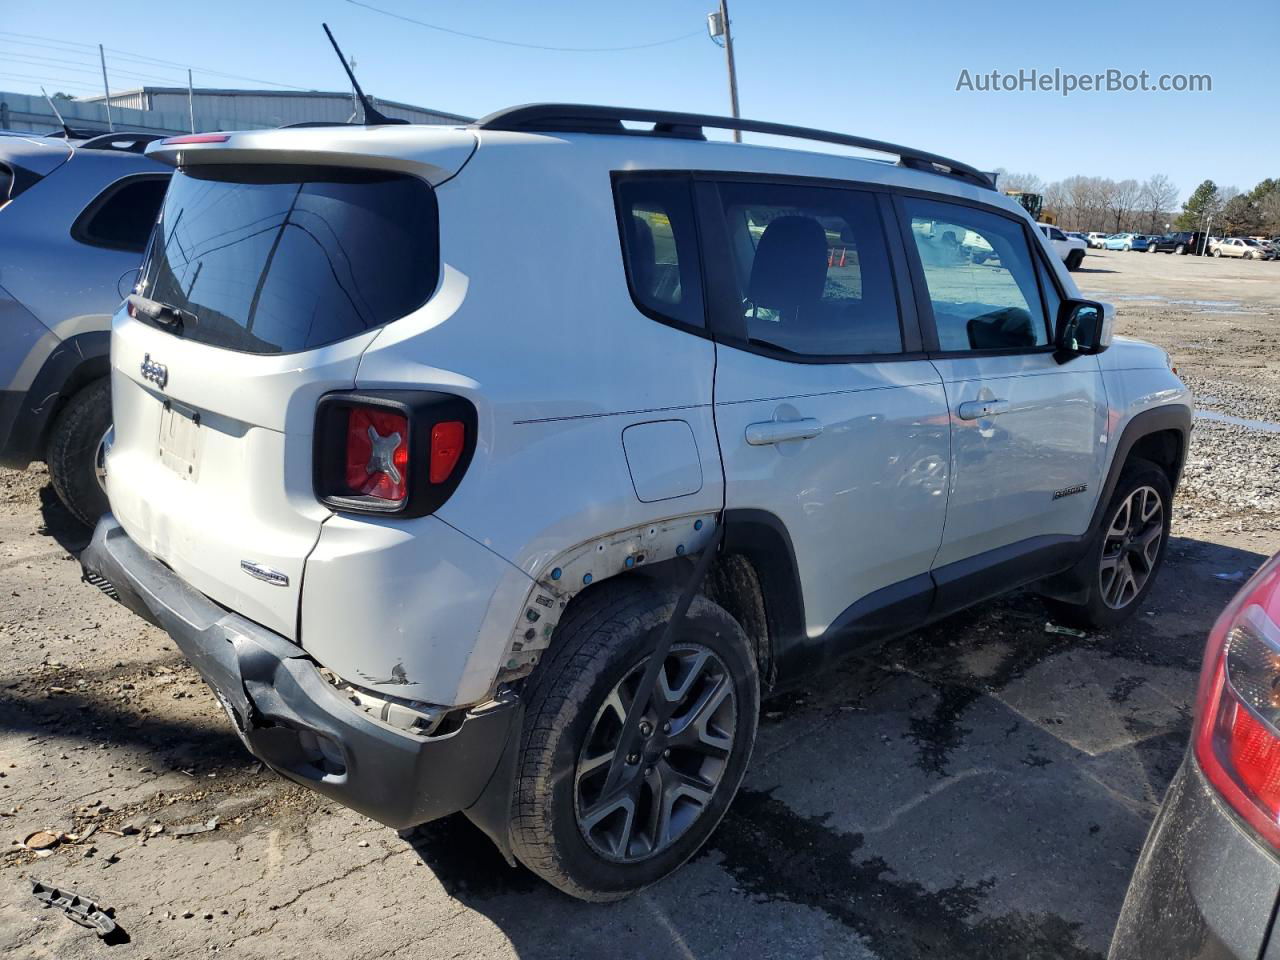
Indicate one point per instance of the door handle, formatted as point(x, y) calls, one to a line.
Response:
point(776, 431)
point(981, 409)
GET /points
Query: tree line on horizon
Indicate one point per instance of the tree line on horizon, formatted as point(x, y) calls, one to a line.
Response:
point(1128, 206)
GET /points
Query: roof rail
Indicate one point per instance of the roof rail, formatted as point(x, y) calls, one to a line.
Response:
point(586, 118)
point(124, 142)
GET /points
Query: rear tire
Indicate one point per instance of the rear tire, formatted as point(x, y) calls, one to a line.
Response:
point(72, 454)
point(1179, 249)
point(1121, 563)
point(562, 829)
point(1151, 248)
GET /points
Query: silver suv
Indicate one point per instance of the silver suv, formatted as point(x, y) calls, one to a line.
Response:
point(75, 215)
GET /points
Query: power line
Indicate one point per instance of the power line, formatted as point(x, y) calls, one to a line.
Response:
point(75, 66)
point(143, 58)
point(516, 43)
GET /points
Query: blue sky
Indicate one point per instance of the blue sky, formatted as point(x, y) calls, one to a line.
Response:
point(886, 70)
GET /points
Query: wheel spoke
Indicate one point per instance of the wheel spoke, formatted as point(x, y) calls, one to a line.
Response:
point(1150, 504)
point(1120, 522)
point(1149, 544)
point(694, 730)
point(589, 766)
point(620, 839)
point(686, 680)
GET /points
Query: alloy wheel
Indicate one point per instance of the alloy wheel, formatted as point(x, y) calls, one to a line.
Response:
point(1131, 547)
point(100, 460)
point(686, 736)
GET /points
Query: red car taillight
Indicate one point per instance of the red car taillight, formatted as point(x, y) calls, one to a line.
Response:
point(1237, 731)
point(400, 452)
point(377, 453)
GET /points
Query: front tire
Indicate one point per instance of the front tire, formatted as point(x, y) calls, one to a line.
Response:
point(73, 452)
point(1122, 561)
point(1179, 249)
point(697, 733)
point(1151, 248)
point(1074, 259)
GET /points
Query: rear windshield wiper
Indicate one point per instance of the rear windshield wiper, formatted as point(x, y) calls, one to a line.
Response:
point(165, 314)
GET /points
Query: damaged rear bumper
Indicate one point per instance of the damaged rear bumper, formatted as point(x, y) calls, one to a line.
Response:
point(291, 717)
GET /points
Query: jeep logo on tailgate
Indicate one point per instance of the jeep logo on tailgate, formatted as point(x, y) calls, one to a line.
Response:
point(157, 373)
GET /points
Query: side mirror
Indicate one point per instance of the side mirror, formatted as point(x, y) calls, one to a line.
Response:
point(1083, 328)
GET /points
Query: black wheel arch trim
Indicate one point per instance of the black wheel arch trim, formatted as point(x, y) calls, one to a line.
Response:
point(1158, 420)
point(74, 364)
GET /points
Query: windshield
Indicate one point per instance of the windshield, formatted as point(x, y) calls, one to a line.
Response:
point(278, 259)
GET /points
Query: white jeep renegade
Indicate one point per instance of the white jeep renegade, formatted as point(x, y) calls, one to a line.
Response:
point(502, 468)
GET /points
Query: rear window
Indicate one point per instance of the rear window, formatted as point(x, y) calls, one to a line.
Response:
point(280, 258)
point(121, 217)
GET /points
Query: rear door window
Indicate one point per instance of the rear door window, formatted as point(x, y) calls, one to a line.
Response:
point(281, 258)
point(812, 270)
point(981, 277)
point(123, 215)
point(659, 242)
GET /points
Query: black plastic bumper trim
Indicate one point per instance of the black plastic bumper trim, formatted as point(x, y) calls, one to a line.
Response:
point(274, 693)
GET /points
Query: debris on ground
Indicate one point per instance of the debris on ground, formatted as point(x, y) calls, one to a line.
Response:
point(190, 829)
point(79, 909)
point(1236, 577)
point(1051, 627)
point(43, 842)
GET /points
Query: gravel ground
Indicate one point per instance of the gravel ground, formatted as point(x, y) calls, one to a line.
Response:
point(981, 788)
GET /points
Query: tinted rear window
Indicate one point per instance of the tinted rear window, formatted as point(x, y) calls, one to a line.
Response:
point(122, 216)
point(277, 259)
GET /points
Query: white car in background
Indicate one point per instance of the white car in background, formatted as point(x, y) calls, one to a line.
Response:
point(1070, 249)
point(1095, 239)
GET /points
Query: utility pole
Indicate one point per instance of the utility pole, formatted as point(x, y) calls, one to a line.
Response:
point(718, 25)
point(191, 107)
point(106, 91)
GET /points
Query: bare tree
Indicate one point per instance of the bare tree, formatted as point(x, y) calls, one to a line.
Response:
point(1024, 182)
point(1122, 197)
point(1157, 198)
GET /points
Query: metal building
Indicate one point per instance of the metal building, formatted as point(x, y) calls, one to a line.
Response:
point(166, 110)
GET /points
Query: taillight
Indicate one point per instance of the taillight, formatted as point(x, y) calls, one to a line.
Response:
point(378, 453)
point(1237, 731)
point(393, 451)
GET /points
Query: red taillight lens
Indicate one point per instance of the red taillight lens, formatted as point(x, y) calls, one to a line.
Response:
point(447, 440)
point(378, 454)
point(401, 452)
point(1237, 732)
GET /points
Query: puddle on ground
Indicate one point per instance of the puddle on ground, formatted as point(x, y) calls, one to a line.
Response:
point(1267, 425)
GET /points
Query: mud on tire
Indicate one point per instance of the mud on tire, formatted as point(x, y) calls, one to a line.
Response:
point(72, 451)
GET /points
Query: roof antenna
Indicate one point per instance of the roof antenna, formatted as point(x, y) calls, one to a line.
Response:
point(372, 114)
point(67, 132)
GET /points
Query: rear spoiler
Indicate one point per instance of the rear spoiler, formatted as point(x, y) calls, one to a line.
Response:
point(434, 153)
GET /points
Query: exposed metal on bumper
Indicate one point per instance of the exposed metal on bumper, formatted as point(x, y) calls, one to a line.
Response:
point(282, 705)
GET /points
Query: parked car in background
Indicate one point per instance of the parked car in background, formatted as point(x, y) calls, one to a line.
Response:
point(1096, 240)
point(1179, 243)
point(1071, 249)
point(1076, 236)
point(1208, 881)
point(1240, 248)
point(1122, 241)
point(425, 579)
point(75, 218)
